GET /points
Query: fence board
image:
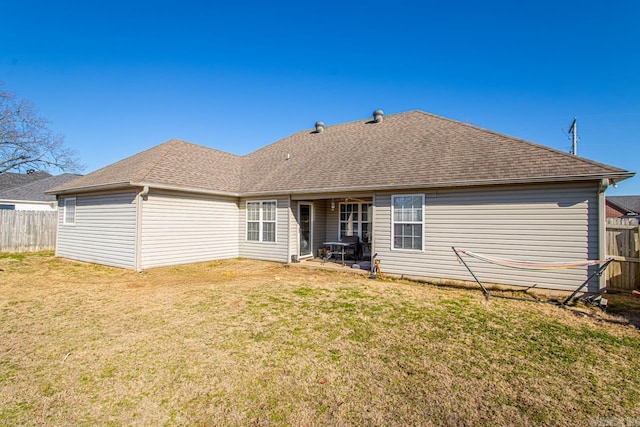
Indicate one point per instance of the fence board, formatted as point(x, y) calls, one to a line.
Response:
point(28, 231)
point(623, 245)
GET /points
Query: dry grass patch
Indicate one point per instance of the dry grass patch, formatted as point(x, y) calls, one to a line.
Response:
point(244, 342)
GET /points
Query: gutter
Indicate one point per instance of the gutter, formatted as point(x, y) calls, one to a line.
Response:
point(90, 188)
point(128, 184)
point(614, 177)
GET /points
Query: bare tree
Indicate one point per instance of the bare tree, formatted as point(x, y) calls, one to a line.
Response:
point(26, 142)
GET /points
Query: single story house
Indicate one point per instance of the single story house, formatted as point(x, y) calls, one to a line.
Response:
point(32, 196)
point(623, 206)
point(409, 185)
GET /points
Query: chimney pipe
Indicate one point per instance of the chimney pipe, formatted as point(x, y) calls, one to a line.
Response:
point(319, 127)
point(377, 116)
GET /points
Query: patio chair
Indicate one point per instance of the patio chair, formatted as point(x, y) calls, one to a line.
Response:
point(353, 248)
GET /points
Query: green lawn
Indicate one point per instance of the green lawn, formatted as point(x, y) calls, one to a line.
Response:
point(253, 343)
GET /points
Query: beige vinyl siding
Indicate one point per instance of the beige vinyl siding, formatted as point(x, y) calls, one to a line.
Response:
point(320, 208)
point(333, 223)
point(269, 251)
point(180, 229)
point(528, 223)
point(104, 231)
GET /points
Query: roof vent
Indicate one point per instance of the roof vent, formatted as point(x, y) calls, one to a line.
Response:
point(319, 127)
point(377, 116)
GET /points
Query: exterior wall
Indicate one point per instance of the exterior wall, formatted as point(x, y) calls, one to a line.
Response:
point(104, 231)
point(320, 209)
point(279, 251)
point(25, 205)
point(532, 223)
point(614, 212)
point(332, 223)
point(180, 229)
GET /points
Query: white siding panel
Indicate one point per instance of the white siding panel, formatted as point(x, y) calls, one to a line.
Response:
point(181, 229)
point(268, 251)
point(104, 230)
point(532, 223)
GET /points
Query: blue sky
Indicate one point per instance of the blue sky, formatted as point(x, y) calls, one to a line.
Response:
point(118, 77)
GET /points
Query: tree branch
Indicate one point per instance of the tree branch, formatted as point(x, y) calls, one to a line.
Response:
point(26, 140)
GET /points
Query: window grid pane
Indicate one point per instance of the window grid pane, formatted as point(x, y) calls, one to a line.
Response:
point(269, 232)
point(253, 211)
point(253, 231)
point(69, 211)
point(269, 211)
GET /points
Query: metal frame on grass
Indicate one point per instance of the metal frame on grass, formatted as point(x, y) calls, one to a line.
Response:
point(603, 266)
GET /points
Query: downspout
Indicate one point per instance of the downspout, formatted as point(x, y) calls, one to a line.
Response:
point(58, 224)
point(289, 232)
point(602, 228)
point(141, 197)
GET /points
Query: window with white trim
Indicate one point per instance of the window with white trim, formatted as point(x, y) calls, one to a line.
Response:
point(407, 221)
point(69, 217)
point(261, 221)
point(355, 220)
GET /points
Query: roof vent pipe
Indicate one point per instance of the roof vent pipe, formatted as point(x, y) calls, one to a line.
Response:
point(319, 127)
point(377, 116)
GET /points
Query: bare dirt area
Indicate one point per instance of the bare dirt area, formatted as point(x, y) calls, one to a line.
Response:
point(242, 342)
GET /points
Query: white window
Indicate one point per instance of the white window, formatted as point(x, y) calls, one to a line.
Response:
point(261, 221)
point(355, 220)
point(69, 211)
point(407, 221)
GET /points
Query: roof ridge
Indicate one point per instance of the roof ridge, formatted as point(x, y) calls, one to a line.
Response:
point(160, 151)
point(311, 130)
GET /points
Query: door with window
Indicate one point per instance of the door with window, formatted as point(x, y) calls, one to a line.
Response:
point(306, 229)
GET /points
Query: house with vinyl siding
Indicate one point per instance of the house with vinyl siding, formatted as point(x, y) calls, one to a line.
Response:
point(409, 185)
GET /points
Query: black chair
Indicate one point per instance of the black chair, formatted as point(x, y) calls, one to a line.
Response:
point(354, 246)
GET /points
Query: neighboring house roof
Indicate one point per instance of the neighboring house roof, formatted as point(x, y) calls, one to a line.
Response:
point(10, 180)
point(35, 191)
point(408, 150)
point(627, 204)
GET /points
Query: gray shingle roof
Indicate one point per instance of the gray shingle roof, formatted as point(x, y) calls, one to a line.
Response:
point(35, 191)
point(412, 149)
point(174, 164)
point(628, 203)
point(10, 180)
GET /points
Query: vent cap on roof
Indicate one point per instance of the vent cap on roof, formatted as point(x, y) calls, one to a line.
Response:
point(319, 127)
point(377, 116)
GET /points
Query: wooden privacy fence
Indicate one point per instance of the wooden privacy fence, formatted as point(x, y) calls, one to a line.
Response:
point(623, 245)
point(28, 231)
